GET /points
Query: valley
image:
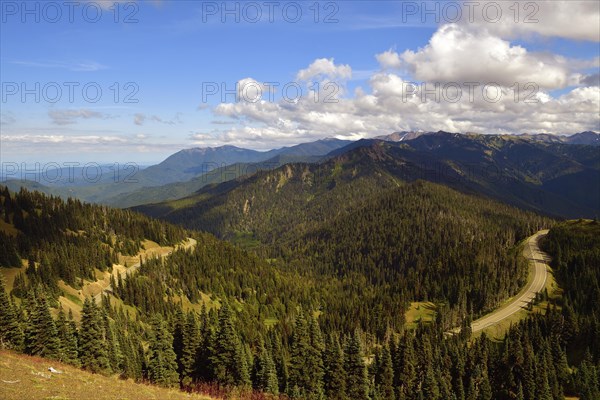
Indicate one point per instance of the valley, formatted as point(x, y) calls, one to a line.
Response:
point(373, 252)
point(324, 200)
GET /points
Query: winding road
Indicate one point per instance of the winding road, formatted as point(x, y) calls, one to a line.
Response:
point(538, 261)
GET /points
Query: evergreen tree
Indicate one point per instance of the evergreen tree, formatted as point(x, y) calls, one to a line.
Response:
point(190, 349)
point(335, 375)
point(305, 369)
point(115, 355)
point(228, 357)
point(42, 337)
point(431, 389)
point(587, 380)
point(67, 334)
point(281, 367)
point(162, 360)
point(11, 334)
point(92, 348)
point(208, 336)
point(384, 376)
point(315, 359)
point(357, 386)
point(406, 366)
point(264, 372)
point(543, 390)
point(178, 323)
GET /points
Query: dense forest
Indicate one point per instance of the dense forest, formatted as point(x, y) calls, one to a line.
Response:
point(387, 240)
point(69, 240)
point(329, 327)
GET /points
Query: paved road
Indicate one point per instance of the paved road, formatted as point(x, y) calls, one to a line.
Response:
point(538, 261)
point(190, 243)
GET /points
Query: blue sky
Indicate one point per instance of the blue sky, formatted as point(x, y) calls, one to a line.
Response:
point(164, 54)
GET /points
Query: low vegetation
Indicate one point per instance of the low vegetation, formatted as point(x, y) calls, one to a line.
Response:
point(28, 377)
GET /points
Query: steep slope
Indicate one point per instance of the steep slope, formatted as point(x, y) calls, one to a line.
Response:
point(355, 215)
point(331, 273)
point(547, 178)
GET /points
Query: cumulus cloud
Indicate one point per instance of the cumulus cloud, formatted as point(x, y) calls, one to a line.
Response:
point(389, 59)
point(324, 69)
point(466, 78)
point(457, 54)
point(576, 20)
point(68, 117)
point(250, 90)
point(391, 103)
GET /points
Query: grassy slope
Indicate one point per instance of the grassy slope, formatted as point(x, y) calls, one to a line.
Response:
point(26, 377)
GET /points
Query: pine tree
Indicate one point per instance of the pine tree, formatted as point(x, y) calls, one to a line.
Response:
point(587, 380)
point(42, 337)
point(264, 372)
point(178, 323)
point(208, 336)
point(228, 357)
point(406, 367)
point(431, 389)
point(335, 375)
point(303, 379)
point(162, 360)
point(68, 338)
point(92, 348)
point(11, 334)
point(190, 349)
point(279, 359)
point(384, 376)
point(315, 360)
point(543, 390)
point(130, 366)
point(357, 386)
point(529, 373)
point(115, 355)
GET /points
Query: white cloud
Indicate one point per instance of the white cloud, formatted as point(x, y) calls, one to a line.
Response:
point(576, 20)
point(389, 59)
point(68, 117)
point(324, 68)
point(390, 103)
point(140, 118)
point(457, 54)
point(63, 139)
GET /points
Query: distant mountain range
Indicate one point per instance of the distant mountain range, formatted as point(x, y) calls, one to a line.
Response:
point(585, 138)
point(179, 175)
point(550, 178)
point(554, 169)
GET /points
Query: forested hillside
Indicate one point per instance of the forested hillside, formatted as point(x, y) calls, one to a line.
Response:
point(69, 240)
point(220, 320)
point(356, 218)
